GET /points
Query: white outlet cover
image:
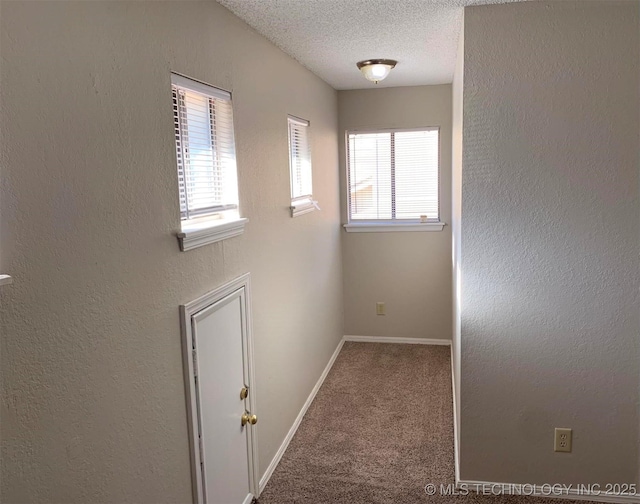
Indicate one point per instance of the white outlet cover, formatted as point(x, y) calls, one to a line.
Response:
point(562, 440)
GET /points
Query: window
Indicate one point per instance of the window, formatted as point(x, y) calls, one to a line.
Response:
point(393, 180)
point(300, 167)
point(206, 158)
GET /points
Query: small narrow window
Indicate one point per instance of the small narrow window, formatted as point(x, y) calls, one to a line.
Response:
point(393, 177)
point(300, 167)
point(206, 157)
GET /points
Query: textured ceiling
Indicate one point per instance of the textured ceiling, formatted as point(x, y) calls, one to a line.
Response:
point(330, 36)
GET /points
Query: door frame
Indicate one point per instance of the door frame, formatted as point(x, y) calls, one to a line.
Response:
point(241, 285)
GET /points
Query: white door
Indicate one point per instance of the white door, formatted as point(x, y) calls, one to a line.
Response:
point(223, 412)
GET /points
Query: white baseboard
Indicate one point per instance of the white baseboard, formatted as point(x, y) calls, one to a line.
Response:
point(406, 341)
point(283, 447)
point(556, 492)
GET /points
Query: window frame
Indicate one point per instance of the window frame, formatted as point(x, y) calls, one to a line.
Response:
point(200, 227)
point(391, 225)
point(304, 203)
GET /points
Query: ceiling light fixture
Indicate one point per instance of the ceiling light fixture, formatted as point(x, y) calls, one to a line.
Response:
point(376, 70)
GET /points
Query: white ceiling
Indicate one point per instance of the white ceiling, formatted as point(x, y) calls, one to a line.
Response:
point(330, 36)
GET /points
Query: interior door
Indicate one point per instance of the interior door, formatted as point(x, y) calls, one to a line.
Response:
point(222, 416)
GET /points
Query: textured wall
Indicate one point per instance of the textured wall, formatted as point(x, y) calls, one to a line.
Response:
point(410, 272)
point(550, 242)
point(93, 397)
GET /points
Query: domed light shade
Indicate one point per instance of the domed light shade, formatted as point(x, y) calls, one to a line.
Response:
point(376, 70)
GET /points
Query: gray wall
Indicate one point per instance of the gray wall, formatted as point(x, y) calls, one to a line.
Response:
point(550, 242)
point(93, 394)
point(409, 271)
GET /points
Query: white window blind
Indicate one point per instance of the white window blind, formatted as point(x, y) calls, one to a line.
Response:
point(205, 148)
point(300, 159)
point(393, 175)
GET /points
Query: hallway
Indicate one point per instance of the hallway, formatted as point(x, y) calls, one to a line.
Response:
point(379, 430)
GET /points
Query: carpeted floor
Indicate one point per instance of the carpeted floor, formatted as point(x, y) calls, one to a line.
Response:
point(378, 431)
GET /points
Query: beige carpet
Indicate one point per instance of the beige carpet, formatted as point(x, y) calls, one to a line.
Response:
point(379, 430)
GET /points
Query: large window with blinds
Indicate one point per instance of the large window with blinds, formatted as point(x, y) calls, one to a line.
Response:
point(393, 176)
point(205, 150)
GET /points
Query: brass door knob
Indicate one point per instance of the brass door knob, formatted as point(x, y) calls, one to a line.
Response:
point(248, 418)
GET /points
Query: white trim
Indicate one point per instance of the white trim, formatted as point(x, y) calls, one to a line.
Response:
point(545, 491)
point(370, 227)
point(5, 280)
point(248, 499)
point(409, 341)
point(241, 286)
point(298, 120)
point(199, 87)
point(296, 211)
point(456, 441)
point(393, 130)
point(303, 206)
point(197, 236)
point(276, 459)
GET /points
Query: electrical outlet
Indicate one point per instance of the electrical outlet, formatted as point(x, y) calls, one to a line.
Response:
point(562, 440)
point(380, 309)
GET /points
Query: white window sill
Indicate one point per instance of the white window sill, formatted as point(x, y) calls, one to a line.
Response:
point(383, 227)
point(303, 206)
point(5, 280)
point(203, 233)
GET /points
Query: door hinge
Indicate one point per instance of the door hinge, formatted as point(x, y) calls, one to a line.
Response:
point(195, 362)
